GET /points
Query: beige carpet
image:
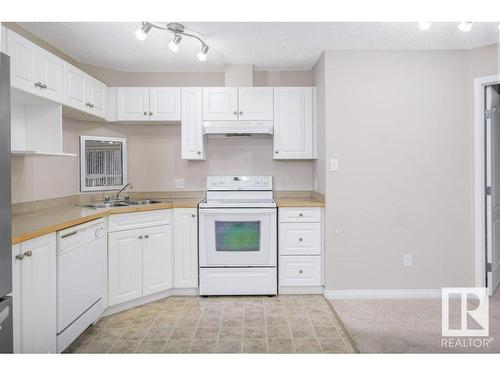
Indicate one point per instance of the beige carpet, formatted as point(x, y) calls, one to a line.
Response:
point(406, 325)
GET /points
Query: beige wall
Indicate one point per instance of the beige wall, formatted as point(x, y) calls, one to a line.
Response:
point(154, 157)
point(319, 168)
point(398, 121)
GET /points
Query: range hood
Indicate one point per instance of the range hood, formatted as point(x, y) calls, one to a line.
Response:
point(238, 128)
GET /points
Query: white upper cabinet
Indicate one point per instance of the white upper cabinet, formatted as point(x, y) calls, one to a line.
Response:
point(220, 103)
point(255, 103)
point(96, 97)
point(76, 91)
point(49, 71)
point(133, 104)
point(293, 123)
point(193, 146)
point(185, 248)
point(22, 62)
point(148, 104)
point(165, 103)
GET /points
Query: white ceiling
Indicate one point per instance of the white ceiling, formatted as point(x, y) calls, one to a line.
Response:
point(269, 46)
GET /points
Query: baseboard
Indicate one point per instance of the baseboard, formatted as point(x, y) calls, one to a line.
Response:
point(148, 299)
point(300, 290)
point(382, 293)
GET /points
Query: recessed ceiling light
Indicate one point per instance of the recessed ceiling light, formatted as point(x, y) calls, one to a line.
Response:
point(465, 26)
point(142, 32)
point(424, 26)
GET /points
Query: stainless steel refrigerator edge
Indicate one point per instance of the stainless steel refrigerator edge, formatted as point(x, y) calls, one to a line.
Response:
point(6, 345)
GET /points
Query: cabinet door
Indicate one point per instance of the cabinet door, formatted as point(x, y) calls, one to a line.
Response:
point(75, 82)
point(22, 62)
point(220, 103)
point(38, 322)
point(157, 259)
point(96, 97)
point(165, 103)
point(185, 248)
point(133, 104)
point(193, 143)
point(255, 103)
point(49, 71)
point(299, 238)
point(124, 266)
point(293, 125)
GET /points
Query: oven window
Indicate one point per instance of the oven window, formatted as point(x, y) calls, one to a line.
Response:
point(237, 235)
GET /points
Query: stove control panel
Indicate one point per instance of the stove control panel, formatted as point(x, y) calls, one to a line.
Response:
point(240, 183)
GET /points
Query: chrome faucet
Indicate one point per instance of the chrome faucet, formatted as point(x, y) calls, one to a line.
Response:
point(123, 188)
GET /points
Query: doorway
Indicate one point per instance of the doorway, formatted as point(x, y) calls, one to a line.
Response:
point(487, 182)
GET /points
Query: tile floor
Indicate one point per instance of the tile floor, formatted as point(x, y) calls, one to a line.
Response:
point(282, 324)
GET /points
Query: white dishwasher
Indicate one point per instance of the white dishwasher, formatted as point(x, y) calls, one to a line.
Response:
point(81, 279)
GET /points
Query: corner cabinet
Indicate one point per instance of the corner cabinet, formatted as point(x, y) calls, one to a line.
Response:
point(34, 295)
point(294, 123)
point(185, 248)
point(193, 142)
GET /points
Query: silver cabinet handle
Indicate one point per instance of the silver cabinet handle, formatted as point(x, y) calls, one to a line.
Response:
point(151, 113)
point(300, 239)
point(87, 104)
point(28, 253)
point(145, 113)
point(44, 86)
point(300, 271)
point(140, 237)
point(20, 256)
point(39, 84)
point(300, 214)
point(146, 236)
point(276, 151)
point(198, 152)
point(193, 215)
point(235, 113)
point(241, 112)
point(91, 105)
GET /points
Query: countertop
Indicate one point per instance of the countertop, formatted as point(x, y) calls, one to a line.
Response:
point(298, 202)
point(33, 224)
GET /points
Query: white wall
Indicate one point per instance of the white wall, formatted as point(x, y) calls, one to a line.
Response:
point(319, 164)
point(154, 157)
point(398, 123)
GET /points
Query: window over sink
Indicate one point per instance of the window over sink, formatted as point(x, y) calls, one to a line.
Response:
point(103, 163)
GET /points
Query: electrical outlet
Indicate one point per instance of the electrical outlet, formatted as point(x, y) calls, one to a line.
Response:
point(407, 261)
point(179, 183)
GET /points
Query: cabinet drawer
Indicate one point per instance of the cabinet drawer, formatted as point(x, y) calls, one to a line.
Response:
point(139, 220)
point(300, 271)
point(300, 214)
point(299, 239)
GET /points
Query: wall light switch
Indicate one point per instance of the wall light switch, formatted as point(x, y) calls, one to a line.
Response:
point(334, 165)
point(407, 261)
point(179, 183)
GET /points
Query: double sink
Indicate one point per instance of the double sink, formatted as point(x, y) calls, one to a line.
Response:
point(120, 203)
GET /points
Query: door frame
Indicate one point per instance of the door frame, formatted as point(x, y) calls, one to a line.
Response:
point(480, 177)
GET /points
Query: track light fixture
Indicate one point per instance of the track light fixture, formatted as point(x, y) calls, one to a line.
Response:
point(178, 30)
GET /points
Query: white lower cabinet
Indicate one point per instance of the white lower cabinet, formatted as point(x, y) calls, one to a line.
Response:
point(300, 244)
point(185, 248)
point(34, 295)
point(139, 257)
point(157, 260)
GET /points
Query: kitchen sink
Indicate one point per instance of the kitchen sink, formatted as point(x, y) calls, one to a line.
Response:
point(124, 203)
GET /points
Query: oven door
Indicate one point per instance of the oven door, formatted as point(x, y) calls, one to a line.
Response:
point(237, 237)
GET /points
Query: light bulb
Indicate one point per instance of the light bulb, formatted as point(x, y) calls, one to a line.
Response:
point(174, 44)
point(142, 32)
point(424, 26)
point(465, 26)
point(202, 55)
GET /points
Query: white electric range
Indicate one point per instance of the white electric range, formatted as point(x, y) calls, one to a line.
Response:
point(237, 233)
